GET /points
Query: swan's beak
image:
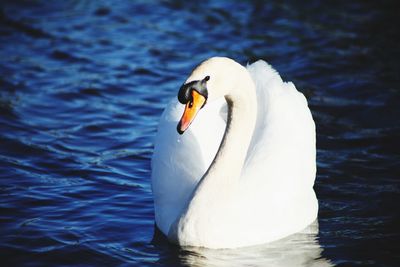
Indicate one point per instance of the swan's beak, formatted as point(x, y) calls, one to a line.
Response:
point(191, 109)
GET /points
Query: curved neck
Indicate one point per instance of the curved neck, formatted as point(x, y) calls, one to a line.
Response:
point(225, 170)
point(213, 194)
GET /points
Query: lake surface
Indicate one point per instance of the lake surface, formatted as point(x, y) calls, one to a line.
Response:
point(83, 84)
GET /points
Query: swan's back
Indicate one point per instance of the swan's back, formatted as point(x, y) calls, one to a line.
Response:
point(278, 176)
point(284, 132)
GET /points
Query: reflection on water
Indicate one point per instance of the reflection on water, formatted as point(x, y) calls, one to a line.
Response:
point(300, 249)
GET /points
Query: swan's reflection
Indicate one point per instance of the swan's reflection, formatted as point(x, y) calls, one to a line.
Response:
point(300, 249)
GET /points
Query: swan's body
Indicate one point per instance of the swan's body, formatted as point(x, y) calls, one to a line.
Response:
point(243, 172)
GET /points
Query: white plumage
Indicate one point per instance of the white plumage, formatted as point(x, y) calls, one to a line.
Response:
point(260, 186)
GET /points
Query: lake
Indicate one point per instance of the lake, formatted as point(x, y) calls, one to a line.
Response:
point(82, 87)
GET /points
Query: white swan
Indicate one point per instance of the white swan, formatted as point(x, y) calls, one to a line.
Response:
point(243, 172)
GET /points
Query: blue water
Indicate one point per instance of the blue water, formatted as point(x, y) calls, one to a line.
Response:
point(83, 84)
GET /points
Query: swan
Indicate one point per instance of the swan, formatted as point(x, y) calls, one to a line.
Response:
point(234, 159)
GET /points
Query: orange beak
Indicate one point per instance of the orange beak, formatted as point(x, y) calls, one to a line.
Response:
point(191, 109)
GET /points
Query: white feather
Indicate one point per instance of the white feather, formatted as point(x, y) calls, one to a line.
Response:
point(274, 197)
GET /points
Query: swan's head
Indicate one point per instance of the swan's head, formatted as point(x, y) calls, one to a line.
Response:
point(194, 96)
point(212, 79)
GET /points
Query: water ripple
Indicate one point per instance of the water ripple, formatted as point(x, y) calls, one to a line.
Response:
point(84, 83)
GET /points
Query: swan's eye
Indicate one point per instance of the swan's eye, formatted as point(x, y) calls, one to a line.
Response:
point(190, 104)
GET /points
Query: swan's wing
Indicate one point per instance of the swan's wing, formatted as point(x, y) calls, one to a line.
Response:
point(277, 196)
point(179, 161)
point(282, 150)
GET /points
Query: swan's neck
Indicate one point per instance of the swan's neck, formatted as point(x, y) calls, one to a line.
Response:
point(225, 170)
point(217, 187)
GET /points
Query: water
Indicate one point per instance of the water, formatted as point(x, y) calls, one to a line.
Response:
point(83, 84)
